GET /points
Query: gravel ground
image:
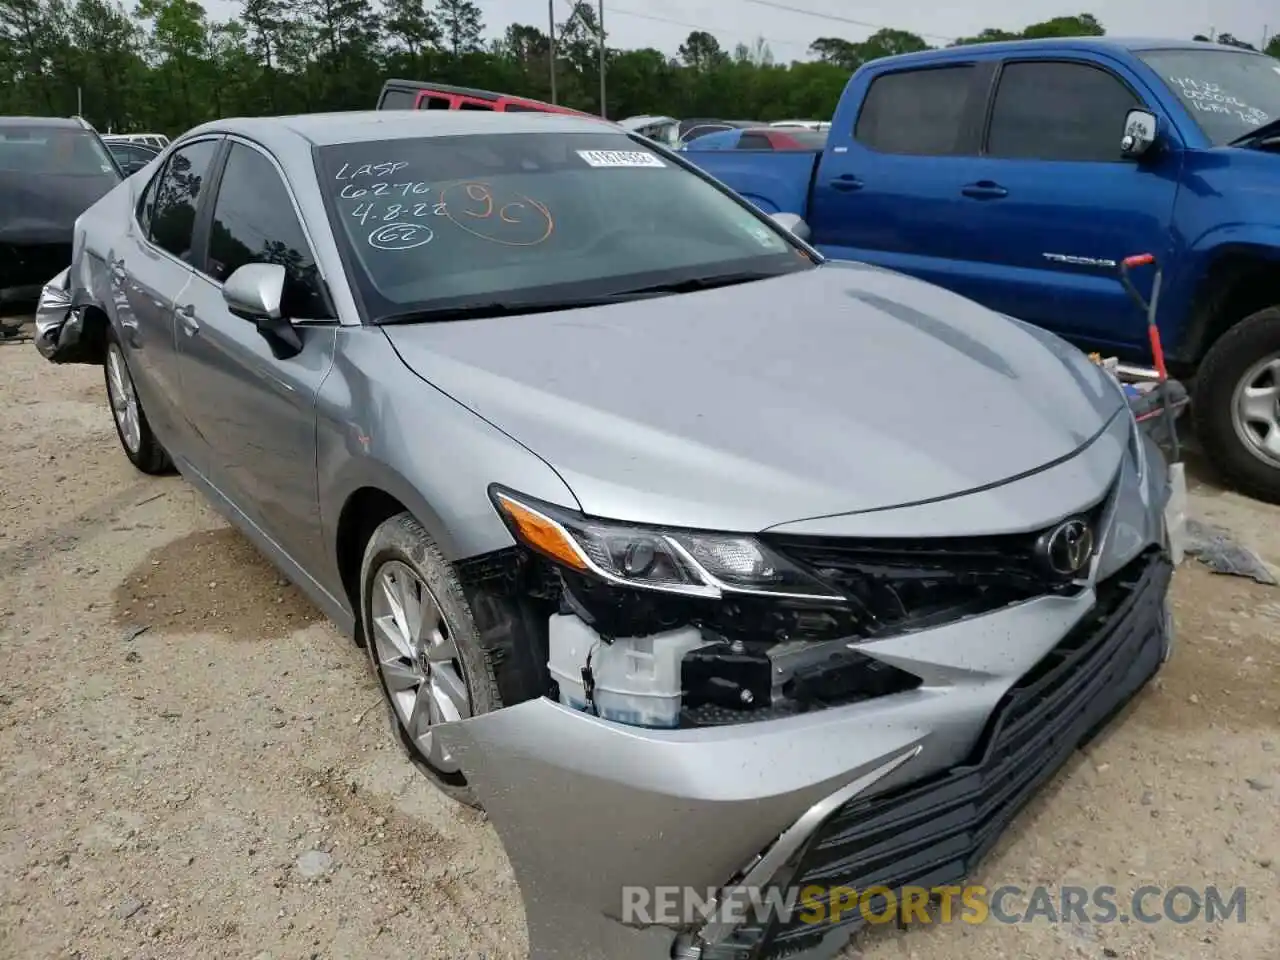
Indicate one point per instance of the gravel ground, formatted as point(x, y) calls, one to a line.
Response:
point(193, 762)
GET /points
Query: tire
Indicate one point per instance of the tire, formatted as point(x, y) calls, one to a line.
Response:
point(1231, 364)
point(398, 545)
point(134, 431)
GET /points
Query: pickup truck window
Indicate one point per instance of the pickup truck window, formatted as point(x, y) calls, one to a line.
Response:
point(1058, 111)
point(918, 112)
point(754, 141)
point(1228, 94)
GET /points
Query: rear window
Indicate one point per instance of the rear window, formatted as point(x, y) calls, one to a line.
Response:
point(513, 107)
point(59, 151)
point(918, 112)
point(431, 221)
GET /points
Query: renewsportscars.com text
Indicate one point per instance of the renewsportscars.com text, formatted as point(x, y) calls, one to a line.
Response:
point(973, 904)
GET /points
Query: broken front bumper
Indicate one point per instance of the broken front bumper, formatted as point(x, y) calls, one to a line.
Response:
point(908, 789)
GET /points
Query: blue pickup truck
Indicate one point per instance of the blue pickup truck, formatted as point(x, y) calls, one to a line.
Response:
point(1020, 174)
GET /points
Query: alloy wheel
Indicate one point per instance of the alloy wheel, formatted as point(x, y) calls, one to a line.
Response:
point(1255, 410)
point(124, 401)
point(417, 659)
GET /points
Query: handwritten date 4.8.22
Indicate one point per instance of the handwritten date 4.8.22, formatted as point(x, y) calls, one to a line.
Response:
point(364, 212)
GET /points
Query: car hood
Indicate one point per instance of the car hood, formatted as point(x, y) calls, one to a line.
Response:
point(43, 208)
point(834, 390)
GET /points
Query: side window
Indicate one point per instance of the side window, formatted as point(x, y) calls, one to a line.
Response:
point(433, 103)
point(474, 105)
point(147, 202)
point(254, 222)
point(394, 99)
point(754, 141)
point(916, 112)
point(1058, 111)
point(173, 217)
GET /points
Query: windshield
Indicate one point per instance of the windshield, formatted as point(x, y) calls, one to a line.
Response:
point(1228, 93)
point(432, 223)
point(60, 151)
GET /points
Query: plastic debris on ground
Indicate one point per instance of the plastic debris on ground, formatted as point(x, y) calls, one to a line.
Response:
point(1214, 547)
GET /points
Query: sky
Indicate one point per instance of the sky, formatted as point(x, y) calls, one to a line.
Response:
point(648, 23)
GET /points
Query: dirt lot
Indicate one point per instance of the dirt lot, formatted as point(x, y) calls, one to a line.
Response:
point(192, 763)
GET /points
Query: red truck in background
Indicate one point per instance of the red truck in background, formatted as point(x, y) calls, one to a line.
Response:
point(418, 95)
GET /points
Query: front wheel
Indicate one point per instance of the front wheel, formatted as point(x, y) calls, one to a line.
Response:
point(425, 647)
point(1236, 409)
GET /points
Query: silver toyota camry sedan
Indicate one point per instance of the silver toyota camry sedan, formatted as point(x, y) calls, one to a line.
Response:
point(701, 563)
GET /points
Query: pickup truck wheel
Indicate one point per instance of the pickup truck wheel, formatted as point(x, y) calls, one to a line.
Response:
point(139, 443)
point(424, 646)
point(1236, 409)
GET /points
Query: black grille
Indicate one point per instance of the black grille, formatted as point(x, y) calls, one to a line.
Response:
point(901, 584)
point(935, 832)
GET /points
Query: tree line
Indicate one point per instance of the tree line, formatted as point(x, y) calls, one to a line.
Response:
point(166, 65)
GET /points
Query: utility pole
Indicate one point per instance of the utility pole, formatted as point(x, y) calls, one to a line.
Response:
point(600, 17)
point(551, 36)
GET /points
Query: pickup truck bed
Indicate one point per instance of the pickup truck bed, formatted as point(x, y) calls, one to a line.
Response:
point(776, 181)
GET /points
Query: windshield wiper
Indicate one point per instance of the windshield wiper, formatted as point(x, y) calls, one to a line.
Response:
point(698, 283)
point(1269, 129)
point(483, 309)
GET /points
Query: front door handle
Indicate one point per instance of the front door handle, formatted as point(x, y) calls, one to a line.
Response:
point(985, 190)
point(187, 317)
point(846, 182)
point(117, 271)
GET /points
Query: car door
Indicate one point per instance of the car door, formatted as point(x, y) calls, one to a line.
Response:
point(150, 269)
point(888, 190)
point(252, 402)
point(1056, 207)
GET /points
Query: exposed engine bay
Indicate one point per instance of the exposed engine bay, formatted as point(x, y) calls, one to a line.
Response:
point(665, 659)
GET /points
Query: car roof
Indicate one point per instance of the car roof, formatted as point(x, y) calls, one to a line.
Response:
point(67, 123)
point(326, 129)
point(1115, 45)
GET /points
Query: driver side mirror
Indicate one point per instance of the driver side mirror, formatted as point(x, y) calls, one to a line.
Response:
point(1141, 127)
point(793, 223)
point(254, 292)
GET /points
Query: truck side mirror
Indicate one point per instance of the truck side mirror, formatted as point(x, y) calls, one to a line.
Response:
point(1141, 127)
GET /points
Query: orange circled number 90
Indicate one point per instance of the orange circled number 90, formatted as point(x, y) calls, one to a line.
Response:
point(516, 221)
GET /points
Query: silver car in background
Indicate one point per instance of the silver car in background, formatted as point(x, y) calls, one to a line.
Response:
point(697, 560)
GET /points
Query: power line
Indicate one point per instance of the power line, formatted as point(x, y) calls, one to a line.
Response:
point(615, 9)
point(838, 19)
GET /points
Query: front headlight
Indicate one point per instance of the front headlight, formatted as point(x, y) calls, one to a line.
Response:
point(686, 562)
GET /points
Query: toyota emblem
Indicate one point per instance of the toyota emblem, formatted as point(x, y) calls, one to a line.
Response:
point(1066, 548)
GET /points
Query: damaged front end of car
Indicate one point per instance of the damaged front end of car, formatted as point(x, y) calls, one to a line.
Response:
point(730, 714)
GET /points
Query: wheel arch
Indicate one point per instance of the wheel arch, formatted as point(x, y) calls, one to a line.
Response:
point(1238, 280)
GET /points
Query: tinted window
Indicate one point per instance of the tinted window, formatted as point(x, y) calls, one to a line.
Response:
point(754, 141)
point(1058, 111)
point(398, 99)
point(434, 103)
point(1228, 93)
point(147, 204)
point(177, 194)
point(55, 151)
point(521, 108)
point(429, 222)
point(474, 105)
point(254, 222)
point(917, 112)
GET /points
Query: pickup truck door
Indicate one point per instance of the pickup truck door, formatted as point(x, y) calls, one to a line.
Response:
point(887, 189)
point(1051, 207)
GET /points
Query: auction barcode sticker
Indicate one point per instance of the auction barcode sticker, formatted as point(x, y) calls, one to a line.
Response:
point(620, 158)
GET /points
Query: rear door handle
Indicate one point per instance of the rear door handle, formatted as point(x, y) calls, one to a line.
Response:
point(187, 317)
point(985, 190)
point(846, 182)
